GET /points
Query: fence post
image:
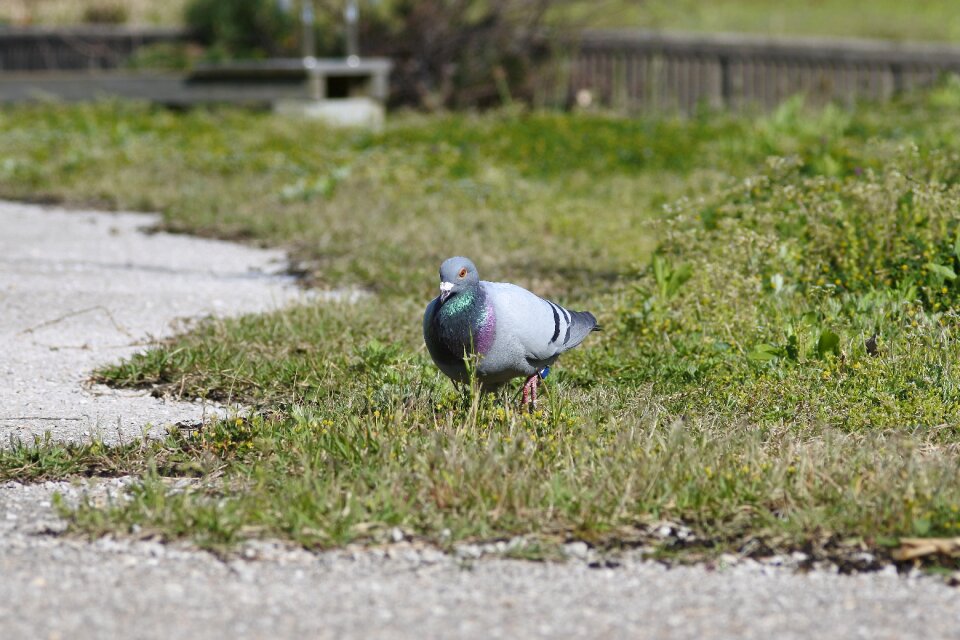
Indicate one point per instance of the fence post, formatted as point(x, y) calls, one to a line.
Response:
point(726, 82)
point(896, 70)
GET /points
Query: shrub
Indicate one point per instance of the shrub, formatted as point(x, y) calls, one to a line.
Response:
point(447, 53)
point(796, 298)
point(459, 53)
point(242, 28)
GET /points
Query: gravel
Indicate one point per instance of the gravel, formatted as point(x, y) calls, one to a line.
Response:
point(67, 588)
point(123, 288)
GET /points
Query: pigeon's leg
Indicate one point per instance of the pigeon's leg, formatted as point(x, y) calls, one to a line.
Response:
point(530, 391)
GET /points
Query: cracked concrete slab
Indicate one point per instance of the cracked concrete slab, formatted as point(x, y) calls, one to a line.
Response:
point(80, 289)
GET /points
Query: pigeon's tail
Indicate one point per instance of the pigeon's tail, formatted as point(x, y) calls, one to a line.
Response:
point(581, 324)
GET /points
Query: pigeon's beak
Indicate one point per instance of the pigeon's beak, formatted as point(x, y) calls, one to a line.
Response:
point(445, 289)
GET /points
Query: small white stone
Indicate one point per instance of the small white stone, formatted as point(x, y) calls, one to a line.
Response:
point(728, 560)
point(775, 561)
point(469, 551)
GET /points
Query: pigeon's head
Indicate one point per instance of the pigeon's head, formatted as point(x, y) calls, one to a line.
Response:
point(456, 274)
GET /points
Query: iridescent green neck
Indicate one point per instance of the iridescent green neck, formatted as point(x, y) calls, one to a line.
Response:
point(458, 303)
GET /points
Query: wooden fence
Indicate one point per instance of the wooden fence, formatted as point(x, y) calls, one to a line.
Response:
point(636, 70)
point(75, 48)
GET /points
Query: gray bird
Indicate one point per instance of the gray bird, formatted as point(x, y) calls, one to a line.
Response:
point(513, 331)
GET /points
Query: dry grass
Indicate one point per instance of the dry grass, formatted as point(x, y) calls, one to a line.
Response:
point(64, 12)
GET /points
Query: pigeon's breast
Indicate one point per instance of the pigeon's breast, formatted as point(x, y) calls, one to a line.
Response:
point(467, 323)
point(485, 328)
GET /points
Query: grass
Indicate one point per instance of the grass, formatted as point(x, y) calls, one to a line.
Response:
point(65, 12)
point(429, 187)
point(778, 294)
point(929, 20)
point(44, 459)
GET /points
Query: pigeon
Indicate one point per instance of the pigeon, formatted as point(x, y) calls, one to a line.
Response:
point(513, 332)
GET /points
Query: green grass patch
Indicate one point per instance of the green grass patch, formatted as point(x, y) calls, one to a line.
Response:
point(792, 300)
point(778, 295)
point(929, 20)
point(886, 19)
point(592, 466)
point(549, 196)
point(45, 459)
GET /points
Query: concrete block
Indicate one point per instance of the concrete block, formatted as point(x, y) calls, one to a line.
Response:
point(342, 112)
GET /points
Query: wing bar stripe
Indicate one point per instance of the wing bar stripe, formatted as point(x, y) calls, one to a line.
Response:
point(556, 322)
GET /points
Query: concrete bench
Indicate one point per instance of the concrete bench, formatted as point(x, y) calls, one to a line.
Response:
point(329, 89)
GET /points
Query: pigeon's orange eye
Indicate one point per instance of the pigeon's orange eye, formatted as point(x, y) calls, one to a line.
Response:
point(463, 272)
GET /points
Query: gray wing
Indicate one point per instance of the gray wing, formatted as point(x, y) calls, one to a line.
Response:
point(543, 328)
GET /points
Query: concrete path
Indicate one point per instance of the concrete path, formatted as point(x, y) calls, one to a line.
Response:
point(81, 289)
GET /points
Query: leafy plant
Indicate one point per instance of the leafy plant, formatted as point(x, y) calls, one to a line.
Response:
point(828, 344)
point(669, 279)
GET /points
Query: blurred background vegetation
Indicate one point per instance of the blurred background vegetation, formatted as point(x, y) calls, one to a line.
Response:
point(470, 53)
point(921, 20)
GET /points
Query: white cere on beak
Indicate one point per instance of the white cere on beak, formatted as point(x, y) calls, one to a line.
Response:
point(445, 289)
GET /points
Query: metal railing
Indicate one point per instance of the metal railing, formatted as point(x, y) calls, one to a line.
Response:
point(75, 48)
